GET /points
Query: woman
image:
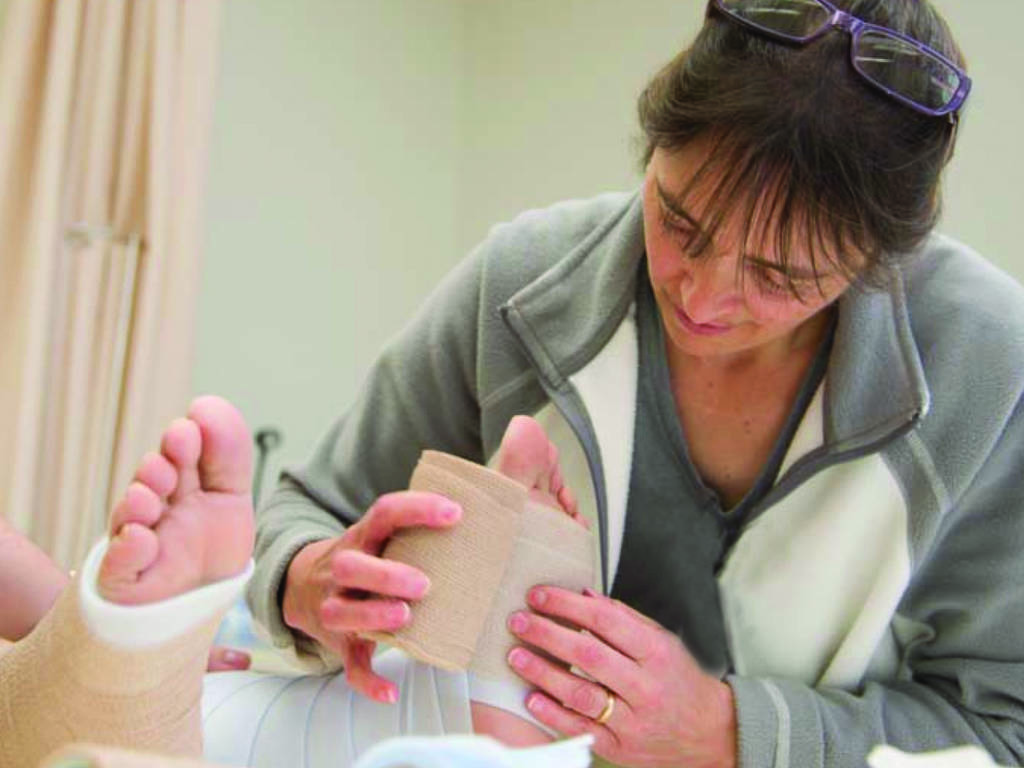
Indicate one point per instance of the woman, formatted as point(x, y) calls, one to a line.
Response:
point(796, 407)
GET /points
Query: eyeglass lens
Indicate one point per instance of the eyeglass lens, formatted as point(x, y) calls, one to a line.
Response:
point(795, 19)
point(899, 66)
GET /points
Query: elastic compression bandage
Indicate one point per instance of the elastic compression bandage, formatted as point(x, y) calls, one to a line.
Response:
point(481, 569)
point(63, 684)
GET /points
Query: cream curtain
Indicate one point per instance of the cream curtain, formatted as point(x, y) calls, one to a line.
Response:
point(105, 111)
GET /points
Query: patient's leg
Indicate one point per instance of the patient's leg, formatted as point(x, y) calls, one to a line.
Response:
point(527, 456)
point(185, 522)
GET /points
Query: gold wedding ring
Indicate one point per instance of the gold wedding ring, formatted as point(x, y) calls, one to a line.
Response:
point(606, 713)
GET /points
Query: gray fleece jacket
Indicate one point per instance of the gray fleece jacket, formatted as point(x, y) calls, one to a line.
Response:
point(876, 594)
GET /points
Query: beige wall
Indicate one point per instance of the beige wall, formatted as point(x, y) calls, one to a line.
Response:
point(362, 147)
point(984, 186)
point(550, 100)
point(331, 198)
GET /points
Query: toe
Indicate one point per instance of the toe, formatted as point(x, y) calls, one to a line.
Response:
point(226, 461)
point(139, 505)
point(130, 552)
point(523, 455)
point(156, 472)
point(527, 456)
point(181, 445)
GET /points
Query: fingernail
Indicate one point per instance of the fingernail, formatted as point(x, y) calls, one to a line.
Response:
point(538, 597)
point(421, 586)
point(400, 613)
point(451, 511)
point(517, 622)
point(517, 658)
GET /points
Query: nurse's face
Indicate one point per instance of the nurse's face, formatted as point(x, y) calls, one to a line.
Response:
point(710, 309)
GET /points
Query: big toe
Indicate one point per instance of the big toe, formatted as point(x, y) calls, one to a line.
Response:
point(225, 464)
point(528, 457)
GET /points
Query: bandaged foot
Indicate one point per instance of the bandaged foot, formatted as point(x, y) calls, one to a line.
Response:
point(182, 529)
point(520, 527)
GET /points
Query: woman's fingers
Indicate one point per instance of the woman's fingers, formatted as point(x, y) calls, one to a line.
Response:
point(574, 692)
point(570, 723)
point(359, 672)
point(223, 659)
point(353, 569)
point(403, 509)
point(345, 614)
point(586, 652)
point(620, 626)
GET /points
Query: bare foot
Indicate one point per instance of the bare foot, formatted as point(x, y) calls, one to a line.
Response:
point(187, 518)
point(527, 456)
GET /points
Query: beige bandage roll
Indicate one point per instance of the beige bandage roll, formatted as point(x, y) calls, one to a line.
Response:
point(481, 569)
point(94, 756)
point(61, 684)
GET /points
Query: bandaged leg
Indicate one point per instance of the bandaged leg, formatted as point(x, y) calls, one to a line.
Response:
point(106, 673)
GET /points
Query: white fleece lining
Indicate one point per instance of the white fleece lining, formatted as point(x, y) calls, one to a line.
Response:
point(811, 587)
point(141, 626)
point(607, 385)
point(810, 434)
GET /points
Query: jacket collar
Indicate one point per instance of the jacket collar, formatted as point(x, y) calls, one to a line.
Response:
point(568, 314)
point(875, 386)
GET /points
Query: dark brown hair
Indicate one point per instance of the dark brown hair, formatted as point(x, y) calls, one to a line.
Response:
point(796, 135)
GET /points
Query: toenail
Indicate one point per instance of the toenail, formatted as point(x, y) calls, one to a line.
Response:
point(450, 511)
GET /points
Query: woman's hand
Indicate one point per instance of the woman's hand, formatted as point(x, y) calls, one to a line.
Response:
point(337, 588)
point(666, 711)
